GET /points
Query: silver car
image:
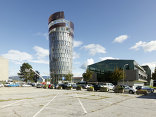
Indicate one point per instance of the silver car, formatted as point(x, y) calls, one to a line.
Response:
point(128, 89)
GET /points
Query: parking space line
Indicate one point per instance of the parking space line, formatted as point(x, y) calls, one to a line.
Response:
point(11, 104)
point(45, 105)
point(107, 101)
point(81, 104)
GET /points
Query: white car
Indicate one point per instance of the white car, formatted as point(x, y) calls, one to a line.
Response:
point(7, 83)
point(110, 86)
point(88, 85)
point(1, 85)
point(26, 85)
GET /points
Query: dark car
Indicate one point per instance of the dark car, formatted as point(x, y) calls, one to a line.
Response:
point(39, 86)
point(149, 90)
point(64, 86)
point(97, 86)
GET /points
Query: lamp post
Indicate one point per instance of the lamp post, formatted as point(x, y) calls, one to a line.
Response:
point(123, 72)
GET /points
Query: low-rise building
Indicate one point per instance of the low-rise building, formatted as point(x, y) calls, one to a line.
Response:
point(148, 72)
point(77, 79)
point(3, 69)
point(134, 73)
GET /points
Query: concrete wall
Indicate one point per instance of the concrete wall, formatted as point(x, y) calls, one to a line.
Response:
point(130, 75)
point(3, 69)
point(132, 83)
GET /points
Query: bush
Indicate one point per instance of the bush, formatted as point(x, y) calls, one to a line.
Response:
point(141, 92)
point(104, 89)
point(78, 87)
point(69, 88)
point(45, 86)
point(119, 89)
point(51, 87)
point(59, 87)
point(90, 89)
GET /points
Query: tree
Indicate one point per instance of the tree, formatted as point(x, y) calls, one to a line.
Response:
point(154, 74)
point(68, 76)
point(36, 77)
point(88, 75)
point(117, 75)
point(26, 73)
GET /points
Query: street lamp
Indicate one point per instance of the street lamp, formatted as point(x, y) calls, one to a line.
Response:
point(123, 72)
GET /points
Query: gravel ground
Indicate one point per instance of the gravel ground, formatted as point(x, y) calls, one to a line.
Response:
point(36, 102)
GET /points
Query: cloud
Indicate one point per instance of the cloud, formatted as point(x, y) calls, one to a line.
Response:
point(120, 38)
point(95, 48)
point(77, 74)
point(77, 43)
point(45, 35)
point(17, 56)
point(146, 46)
point(88, 62)
point(41, 52)
point(75, 55)
point(40, 61)
point(152, 65)
point(105, 58)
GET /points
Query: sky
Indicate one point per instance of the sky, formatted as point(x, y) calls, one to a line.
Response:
point(103, 29)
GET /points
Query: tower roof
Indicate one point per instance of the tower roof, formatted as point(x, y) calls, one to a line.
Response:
point(55, 16)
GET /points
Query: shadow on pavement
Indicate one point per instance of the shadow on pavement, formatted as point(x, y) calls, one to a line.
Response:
point(149, 96)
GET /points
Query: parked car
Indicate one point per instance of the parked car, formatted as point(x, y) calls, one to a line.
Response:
point(128, 89)
point(69, 85)
point(149, 90)
point(87, 86)
point(50, 86)
point(97, 86)
point(82, 84)
point(1, 85)
point(13, 85)
point(26, 85)
point(7, 83)
point(110, 86)
point(64, 86)
point(74, 85)
point(39, 86)
point(34, 84)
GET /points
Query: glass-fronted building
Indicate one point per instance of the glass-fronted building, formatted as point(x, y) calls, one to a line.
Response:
point(133, 71)
point(61, 33)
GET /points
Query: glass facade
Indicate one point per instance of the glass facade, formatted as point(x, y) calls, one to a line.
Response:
point(104, 68)
point(110, 65)
point(60, 48)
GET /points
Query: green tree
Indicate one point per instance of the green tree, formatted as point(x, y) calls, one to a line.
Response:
point(68, 76)
point(26, 73)
point(87, 75)
point(154, 74)
point(117, 75)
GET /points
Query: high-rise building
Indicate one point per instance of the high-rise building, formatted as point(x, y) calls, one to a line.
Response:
point(61, 33)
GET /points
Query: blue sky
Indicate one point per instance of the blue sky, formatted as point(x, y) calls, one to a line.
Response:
point(121, 29)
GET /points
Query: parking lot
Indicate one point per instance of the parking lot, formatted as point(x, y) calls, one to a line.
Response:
point(38, 102)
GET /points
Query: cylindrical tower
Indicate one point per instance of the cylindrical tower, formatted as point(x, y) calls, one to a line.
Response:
point(61, 33)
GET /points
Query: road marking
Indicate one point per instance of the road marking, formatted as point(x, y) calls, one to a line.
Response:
point(81, 104)
point(11, 104)
point(107, 101)
point(45, 106)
